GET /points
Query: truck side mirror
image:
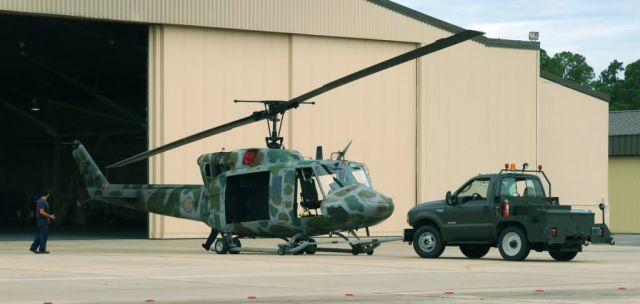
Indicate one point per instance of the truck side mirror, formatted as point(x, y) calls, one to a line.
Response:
point(450, 199)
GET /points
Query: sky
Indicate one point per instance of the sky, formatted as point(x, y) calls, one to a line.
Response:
point(599, 30)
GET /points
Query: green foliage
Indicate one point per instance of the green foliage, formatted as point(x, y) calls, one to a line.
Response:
point(624, 93)
point(568, 66)
point(631, 87)
point(610, 84)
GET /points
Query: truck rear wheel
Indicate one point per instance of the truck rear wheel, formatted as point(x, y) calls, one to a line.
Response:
point(474, 251)
point(563, 255)
point(513, 244)
point(427, 242)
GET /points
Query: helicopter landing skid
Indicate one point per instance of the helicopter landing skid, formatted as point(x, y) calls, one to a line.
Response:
point(310, 246)
point(358, 246)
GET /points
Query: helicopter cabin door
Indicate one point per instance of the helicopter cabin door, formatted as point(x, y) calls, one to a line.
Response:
point(247, 197)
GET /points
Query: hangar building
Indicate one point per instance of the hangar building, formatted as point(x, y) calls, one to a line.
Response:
point(624, 170)
point(122, 75)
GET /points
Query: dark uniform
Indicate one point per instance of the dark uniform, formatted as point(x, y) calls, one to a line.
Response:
point(42, 232)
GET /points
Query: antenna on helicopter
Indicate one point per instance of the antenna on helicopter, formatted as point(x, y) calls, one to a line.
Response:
point(342, 153)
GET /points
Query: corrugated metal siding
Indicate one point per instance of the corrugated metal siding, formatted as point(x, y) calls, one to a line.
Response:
point(624, 145)
point(624, 194)
point(336, 18)
point(572, 144)
point(624, 122)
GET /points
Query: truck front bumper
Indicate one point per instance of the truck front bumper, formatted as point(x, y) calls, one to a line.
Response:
point(408, 236)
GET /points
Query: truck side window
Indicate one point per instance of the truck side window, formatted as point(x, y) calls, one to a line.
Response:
point(474, 190)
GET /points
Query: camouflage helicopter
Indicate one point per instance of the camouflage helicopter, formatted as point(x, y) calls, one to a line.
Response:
point(258, 192)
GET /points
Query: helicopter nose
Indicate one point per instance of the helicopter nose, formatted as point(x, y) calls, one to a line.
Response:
point(379, 207)
point(357, 205)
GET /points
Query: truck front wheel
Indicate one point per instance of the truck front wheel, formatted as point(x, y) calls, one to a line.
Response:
point(427, 242)
point(474, 251)
point(513, 244)
point(563, 255)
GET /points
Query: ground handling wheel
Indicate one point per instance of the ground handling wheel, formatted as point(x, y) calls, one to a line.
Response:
point(312, 248)
point(221, 246)
point(236, 244)
point(281, 250)
point(356, 249)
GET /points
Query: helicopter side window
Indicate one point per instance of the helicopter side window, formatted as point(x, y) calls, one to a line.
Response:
point(247, 197)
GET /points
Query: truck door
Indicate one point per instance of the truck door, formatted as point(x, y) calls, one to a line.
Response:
point(469, 219)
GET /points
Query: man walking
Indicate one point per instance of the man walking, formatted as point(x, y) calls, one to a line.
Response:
point(43, 218)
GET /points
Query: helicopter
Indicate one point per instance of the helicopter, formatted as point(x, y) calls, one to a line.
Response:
point(259, 192)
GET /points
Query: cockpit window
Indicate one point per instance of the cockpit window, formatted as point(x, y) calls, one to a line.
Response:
point(333, 176)
point(361, 173)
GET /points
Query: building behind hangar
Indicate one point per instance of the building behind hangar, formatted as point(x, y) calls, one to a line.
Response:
point(422, 128)
point(624, 170)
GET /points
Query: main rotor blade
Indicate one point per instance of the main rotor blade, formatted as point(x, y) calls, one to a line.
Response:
point(256, 116)
point(419, 52)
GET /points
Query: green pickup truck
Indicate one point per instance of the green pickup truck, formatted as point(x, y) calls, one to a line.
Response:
point(509, 210)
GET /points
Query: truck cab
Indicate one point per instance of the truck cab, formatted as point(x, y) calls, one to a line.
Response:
point(509, 210)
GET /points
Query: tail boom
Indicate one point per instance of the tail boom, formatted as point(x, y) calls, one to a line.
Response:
point(182, 201)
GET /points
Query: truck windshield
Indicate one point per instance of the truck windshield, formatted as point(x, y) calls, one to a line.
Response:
point(522, 186)
point(475, 189)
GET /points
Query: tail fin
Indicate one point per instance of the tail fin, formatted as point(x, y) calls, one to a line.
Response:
point(92, 177)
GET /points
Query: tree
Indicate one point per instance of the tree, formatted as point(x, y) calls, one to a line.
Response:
point(573, 67)
point(610, 84)
point(631, 86)
point(624, 93)
point(544, 60)
point(568, 66)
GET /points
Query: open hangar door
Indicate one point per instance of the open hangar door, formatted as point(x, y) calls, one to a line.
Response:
point(61, 80)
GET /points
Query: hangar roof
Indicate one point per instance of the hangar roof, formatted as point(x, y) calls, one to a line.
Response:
point(624, 133)
point(368, 19)
point(624, 123)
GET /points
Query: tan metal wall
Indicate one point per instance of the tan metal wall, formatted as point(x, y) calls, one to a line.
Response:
point(573, 143)
point(624, 193)
point(478, 111)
